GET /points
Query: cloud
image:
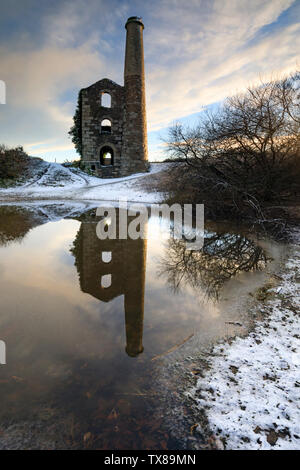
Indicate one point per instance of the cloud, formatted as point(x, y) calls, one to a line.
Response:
point(38, 75)
point(45, 147)
point(196, 52)
point(221, 58)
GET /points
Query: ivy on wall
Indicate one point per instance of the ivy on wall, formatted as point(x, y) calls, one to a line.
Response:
point(76, 130)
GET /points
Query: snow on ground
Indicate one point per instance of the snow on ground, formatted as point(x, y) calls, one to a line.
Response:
point(251, 393)
point(53, 181)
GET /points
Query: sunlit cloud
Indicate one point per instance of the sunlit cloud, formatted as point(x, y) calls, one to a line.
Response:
point(46, 148)
point(223, 61)
point(196, 54)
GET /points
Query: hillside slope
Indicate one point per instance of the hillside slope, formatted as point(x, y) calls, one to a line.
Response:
point(54, 181)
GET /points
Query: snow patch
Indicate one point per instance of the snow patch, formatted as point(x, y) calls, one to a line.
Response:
point(251, 393)
point(54, 181)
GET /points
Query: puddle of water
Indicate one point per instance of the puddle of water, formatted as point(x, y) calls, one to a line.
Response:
point(85, 320)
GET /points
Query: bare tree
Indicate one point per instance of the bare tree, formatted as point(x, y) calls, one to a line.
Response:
point(245, 158)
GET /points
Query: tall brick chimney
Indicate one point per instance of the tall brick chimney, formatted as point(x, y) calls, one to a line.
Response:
point(135, 148)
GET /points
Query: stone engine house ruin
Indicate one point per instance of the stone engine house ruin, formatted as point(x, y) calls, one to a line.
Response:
point(113, 117)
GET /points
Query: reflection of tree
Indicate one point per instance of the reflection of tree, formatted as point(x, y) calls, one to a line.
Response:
point(15, 222)
point(222, 257)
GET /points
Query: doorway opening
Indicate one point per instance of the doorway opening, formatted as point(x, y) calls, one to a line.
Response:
point(106, 156)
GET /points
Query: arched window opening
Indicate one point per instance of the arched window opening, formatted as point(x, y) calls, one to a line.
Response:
point(106, 100)
point(106, 281)
point(106, 126)
point(106, 156)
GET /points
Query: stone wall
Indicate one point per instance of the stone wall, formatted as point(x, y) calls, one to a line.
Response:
point(135, 132)
point(93, 114)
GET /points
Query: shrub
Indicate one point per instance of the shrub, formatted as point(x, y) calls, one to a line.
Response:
point(243, 160)
point(76, 130)
point(13, 162)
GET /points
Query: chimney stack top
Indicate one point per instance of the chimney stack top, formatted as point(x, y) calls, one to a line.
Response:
point(134, 19)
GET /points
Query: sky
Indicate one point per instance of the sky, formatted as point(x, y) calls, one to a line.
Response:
point(197, 52)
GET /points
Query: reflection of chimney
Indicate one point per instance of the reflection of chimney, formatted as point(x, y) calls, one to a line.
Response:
point(134, 298)
point(110, 268)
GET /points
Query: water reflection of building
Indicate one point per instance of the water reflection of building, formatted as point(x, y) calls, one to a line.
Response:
point(109, 268)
